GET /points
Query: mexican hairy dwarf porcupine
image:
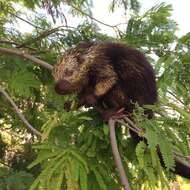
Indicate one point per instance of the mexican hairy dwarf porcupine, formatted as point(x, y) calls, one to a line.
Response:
point(109, 77)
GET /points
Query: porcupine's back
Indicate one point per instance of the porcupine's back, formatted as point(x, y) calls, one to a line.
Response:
point(136, 75)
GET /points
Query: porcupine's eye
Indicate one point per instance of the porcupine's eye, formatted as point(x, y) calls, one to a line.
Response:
point(68, 72)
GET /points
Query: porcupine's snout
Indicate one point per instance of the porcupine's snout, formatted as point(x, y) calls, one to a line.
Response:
point(63, 87)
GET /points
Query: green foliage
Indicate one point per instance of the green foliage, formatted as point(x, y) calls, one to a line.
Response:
point(22, 82)
point(74, 151)
point(68, 165)
point(15, 180)
point(154, 30)
point(134, 5)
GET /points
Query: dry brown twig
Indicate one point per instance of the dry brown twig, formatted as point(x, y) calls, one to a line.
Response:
point(19, 113)
point(45, 34)
point(26, 21)
point(114, 27)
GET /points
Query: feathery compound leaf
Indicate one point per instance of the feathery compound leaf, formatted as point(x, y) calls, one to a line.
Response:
point(140, 149)
point(59, 179)
point(83, 178)
point(39, 179)
point(55, 169)
point(146, 163)
point(35, 184)
point(81, 159)
point(48, 126)
point(71, 175)
point(167, 154)
point(74, 166)
point(22, 82)
point(43, 157)
point(99, 179)
point(69, 182)
point(151, 135)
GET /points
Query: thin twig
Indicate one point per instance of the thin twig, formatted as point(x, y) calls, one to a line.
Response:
point(16, 44)
point(178, 99)
point(98, 21)
point(19, 113)
point(131, 125)
point(38, 27)
point(26, 21)
point(117, 157)
point(22, 54)
point(44, 35)
point(5, 164)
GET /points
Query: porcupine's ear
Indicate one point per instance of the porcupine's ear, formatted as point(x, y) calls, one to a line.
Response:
point(80, 58)
point(83, 48)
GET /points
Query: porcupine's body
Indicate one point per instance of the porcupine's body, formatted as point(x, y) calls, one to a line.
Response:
point(107, 76)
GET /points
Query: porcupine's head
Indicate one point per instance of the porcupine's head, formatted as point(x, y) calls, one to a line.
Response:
point(71, 73)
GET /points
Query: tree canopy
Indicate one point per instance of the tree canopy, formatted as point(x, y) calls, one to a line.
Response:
point(42, 146)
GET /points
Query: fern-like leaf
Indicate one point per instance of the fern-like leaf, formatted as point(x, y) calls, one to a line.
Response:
point(167, 154)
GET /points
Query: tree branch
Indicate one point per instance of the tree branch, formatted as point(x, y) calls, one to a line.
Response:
point(68, 28)
point(19, 113)
point(16, 44)
point(131, 125)
point(45, 34)
point(26, 21)
point(6, 165)
point(27, 56)
point(117, 157)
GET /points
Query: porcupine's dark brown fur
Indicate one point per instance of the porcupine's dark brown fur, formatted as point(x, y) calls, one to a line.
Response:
point(108, 77)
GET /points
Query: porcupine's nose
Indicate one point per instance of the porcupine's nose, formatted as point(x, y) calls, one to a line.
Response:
point(63, 87)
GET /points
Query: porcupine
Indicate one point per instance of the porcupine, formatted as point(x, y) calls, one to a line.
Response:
point(109, 77)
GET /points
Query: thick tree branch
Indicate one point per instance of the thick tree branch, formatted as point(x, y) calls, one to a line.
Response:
point(27, 56)
point(117, 157)
point(19, 113)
